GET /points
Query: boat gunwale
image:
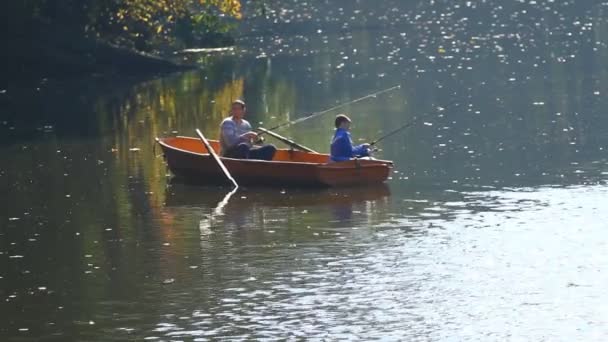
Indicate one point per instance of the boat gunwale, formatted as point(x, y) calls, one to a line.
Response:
point(376, 162)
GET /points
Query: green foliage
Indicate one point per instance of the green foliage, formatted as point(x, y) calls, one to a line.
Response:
point(141, 24)
point(175, 22)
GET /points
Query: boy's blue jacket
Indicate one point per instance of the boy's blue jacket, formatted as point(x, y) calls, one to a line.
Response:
point(342, 147)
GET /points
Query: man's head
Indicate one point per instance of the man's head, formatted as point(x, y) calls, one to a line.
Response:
point(342, 121)
point(238, 109)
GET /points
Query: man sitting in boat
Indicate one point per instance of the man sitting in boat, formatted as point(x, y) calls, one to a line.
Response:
point(236, 137)
point(342, 145)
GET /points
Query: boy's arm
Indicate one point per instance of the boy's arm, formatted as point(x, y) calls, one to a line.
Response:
point(361, 150)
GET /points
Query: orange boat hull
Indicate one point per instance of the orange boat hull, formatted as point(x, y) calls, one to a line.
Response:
point(188, 158)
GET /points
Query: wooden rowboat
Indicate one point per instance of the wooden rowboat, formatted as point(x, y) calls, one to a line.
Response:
point(189, 159)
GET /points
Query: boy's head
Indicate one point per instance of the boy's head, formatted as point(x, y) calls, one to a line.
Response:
point(342, 121)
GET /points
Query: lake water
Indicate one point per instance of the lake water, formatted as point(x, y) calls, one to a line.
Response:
point(491, 227)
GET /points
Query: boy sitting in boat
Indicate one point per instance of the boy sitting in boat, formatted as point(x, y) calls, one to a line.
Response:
point(236, 137)
point(342, 145)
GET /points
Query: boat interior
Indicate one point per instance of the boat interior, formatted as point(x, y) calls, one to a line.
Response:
point(290, 155)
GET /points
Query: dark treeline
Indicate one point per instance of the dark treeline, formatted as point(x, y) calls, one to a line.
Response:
point(46, 37)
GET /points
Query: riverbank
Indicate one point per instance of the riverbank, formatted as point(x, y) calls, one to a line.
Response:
point(60, 55)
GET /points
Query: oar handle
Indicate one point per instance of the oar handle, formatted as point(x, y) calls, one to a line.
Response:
point(287, 141)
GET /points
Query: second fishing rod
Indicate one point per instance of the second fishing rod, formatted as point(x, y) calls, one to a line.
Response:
point(399, 129)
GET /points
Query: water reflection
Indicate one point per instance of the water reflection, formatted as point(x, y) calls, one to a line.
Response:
point(263, 208)
point(493, 227)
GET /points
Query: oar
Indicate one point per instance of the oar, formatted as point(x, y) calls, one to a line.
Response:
point(313, 115)
point(219, 210)
point(287, 141)
point(217, 159)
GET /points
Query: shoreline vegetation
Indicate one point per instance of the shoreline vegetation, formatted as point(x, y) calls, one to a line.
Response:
point(59, 39)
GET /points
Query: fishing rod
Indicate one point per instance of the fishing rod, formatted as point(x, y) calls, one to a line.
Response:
point(396, 130)
point(404, 126)
point(314, 115)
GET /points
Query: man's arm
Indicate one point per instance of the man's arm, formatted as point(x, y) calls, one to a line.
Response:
point(249, 134)
point(229, 133)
